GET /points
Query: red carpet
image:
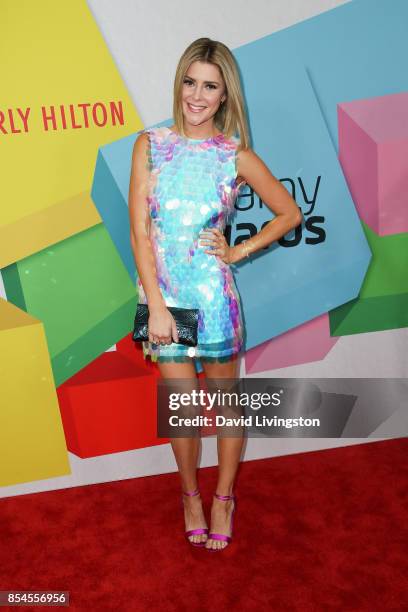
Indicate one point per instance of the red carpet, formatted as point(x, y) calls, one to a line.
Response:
point(315, 531)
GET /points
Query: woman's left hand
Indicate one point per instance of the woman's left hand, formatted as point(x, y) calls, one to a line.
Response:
point(214, 237)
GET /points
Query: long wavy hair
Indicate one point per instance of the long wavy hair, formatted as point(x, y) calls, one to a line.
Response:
point(230, 117)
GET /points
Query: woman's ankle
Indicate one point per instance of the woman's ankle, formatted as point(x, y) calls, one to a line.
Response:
point(224, 491)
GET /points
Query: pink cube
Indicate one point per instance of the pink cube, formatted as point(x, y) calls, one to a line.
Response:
point(308, 342)
point(373, 152)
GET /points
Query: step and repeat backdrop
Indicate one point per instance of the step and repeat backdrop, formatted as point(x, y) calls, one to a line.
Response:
point(327, 103)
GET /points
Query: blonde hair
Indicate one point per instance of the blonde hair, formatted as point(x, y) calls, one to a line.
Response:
point(230, 117)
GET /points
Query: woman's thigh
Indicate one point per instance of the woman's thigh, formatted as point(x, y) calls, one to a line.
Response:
point(174, 369)
point(214, 369)
point(181, 378)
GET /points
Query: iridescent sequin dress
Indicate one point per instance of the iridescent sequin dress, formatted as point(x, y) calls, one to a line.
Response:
point(193, 187)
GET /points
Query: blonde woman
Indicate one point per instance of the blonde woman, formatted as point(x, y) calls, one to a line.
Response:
point(183, 186)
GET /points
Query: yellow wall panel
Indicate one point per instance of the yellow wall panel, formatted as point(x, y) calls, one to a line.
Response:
point(56, 57)
point(32, 441)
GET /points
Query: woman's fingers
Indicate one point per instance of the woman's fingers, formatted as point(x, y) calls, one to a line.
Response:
point(174, 331)
point(157, 325)
point(210, 235)
point(214, 238)
point(219, 245)
point(159, 339)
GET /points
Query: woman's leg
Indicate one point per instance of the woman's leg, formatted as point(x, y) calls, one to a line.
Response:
point(186, 452)
point(229, 454)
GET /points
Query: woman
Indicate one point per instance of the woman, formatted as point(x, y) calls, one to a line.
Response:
point(183, 185)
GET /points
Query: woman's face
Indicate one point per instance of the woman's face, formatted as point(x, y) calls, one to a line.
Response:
point(202, 92)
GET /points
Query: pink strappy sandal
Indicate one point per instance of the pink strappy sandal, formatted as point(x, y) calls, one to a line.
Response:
point(221, 536)
point(198, 531)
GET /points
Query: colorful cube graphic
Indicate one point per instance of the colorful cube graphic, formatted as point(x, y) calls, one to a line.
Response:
point(373, 152)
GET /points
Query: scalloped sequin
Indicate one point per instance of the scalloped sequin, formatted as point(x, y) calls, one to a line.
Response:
point(193, 187)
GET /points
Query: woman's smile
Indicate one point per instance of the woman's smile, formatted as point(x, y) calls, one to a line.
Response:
point(194, 108)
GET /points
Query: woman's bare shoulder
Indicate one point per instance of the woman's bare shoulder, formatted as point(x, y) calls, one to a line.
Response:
point(141, 144)
point(246, 158)
point(143, 137)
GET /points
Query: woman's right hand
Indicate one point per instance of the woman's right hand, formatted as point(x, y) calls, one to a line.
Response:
point(161, 326)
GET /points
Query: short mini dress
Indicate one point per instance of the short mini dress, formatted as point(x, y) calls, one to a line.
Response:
point(193, 186)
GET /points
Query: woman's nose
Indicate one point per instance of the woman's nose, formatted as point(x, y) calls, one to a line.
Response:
point(197, 93)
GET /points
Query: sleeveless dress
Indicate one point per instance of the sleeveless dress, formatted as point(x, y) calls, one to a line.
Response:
point(193, 187)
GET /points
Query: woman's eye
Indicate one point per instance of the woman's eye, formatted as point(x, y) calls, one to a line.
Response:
point(209, 85)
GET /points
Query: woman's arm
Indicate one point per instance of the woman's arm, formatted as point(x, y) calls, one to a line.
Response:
point(288, 215)
point(140, 222)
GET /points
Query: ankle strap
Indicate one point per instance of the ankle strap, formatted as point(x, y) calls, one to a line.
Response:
point(196, 492)
point(224, 497)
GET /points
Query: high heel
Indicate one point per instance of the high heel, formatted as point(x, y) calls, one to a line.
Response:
point(221, 536)
point(198, 531)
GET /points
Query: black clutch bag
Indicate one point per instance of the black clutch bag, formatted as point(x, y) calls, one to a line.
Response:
point(186, 323)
